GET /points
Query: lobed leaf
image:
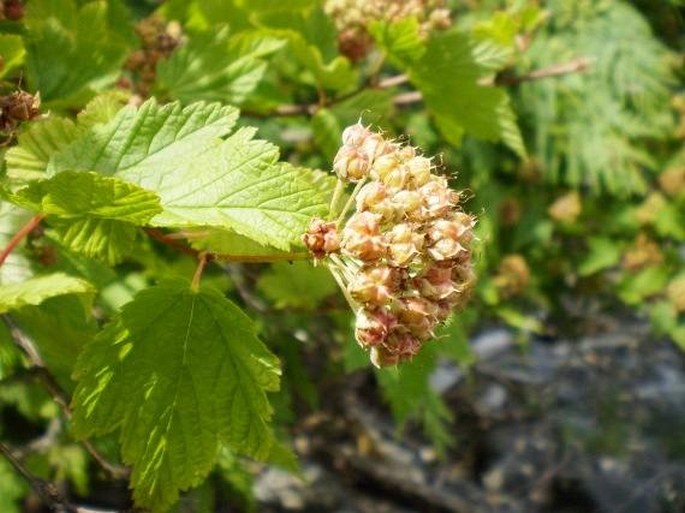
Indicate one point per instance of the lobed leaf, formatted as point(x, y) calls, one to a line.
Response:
point(179, 374)
point(448, 77)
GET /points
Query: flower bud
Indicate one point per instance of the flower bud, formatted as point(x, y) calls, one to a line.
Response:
point(417, 314)
point(372, 326)
point(383, 165)
point(419, 171)
point(436, 284)
point(404, 244)
point(351, 165)
point(444, 239)
point(437, 198)
point(354, 135)
point(361, 237)
point(407, 204)
point(371, 195)
point(321, 238)
point(375, 285)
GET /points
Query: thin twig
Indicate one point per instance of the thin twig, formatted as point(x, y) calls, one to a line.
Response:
point(578, 65)
point(47, 491)
point(57, 393)
point(19, 236)
point(202, 260)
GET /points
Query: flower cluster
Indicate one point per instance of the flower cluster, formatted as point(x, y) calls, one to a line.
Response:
point(158, 39)
point(403, 257)
point(352, 18)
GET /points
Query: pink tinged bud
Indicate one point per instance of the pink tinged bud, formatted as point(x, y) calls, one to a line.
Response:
point(374, 285)
point(444, 239)
point(361, 237)
point(372, 326)
point(351, 165)
point(437, 198)
point(354, 135)
point(371, 195)
point(373, 146)
point(404, 244)
point(407, 203)
point(418, 315)
point(437, 284)
point(402, 345)
point(321, 238)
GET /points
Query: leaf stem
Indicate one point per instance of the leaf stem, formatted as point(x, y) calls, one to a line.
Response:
point(337, 194)
point(19, 236)
point(349, 203)
point(170, 241)
point(203, 258)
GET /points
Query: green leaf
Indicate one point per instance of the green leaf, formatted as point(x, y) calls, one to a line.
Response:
point(299, 285)
point(602, 254)
point(95, 215)
point(73, 51)
point(12, 52)
point(234, 184)
point(596, 128)
point(215, 66)
point(74, 194)
point(107, 240)
point(28, 160)
point(243, 189)
point(101, 109)
point(448, 77)
point(311, 41)
point(139, 141)
point(36, 290)
point(400, 39)
point(179, 373)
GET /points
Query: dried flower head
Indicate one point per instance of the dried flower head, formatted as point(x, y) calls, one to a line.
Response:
point(403, 257)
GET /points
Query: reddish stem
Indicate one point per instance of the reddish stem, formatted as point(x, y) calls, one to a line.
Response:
point(171, 242)
point(18, 237)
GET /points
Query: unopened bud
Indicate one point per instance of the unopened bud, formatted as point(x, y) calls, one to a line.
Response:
point(362, 238)
point(375, 285)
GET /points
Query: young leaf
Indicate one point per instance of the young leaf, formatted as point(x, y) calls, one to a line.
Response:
point(179, 373)
point(400, 39)
point(215, 66)
point(36, 290)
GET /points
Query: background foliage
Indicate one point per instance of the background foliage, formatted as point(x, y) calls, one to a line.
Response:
point(208, 127)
